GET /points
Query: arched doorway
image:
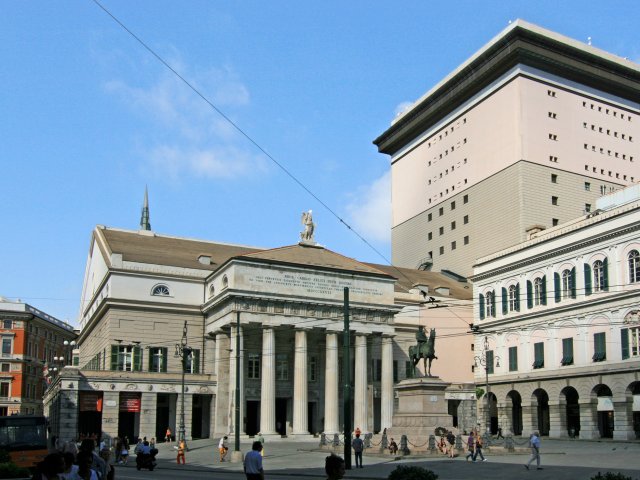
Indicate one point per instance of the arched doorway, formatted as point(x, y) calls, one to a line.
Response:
point(540, 401)
point(605, 411)
point(571, 411)
point(516, 412)
point(493, 413)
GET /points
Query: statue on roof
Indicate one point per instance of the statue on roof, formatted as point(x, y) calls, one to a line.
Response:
point(307, 221)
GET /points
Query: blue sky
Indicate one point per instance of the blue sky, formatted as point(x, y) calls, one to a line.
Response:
point(89, 117)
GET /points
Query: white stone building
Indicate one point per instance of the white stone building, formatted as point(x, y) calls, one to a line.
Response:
point(561, 311)
point(141, 289)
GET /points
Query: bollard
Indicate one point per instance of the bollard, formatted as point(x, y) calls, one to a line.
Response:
point(509, 444)
point(459, 444)
point(336, 440)
point(432, 443)
point(384, 443)
point(367, 440)
point(404, 447)
point(323, 440)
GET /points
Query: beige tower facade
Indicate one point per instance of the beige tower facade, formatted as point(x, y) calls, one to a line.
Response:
point(524, 135)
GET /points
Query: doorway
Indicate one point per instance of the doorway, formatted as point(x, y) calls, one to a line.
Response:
point(281, 415)
point(200, 417)
point(253, 417)
point(605, 424)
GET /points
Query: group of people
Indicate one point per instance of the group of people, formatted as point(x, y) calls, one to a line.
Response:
point(474, 446)
point(76, 463)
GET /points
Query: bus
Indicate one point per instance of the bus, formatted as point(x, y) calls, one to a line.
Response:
point(25, 438)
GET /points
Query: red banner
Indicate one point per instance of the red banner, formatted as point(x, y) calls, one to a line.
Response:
point(129, 402)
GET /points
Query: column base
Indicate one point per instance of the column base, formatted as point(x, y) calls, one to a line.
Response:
point(237, 457)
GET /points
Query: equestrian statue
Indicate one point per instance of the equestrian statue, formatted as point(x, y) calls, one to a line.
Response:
point(425, 349)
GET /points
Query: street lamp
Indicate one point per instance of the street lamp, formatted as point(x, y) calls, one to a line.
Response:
point(184, 352)
point(69, 346)
point(486, 359)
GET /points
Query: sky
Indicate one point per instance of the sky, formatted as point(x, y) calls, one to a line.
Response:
point(90, 117)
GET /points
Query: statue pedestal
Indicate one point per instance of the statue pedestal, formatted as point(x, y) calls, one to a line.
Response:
point(421, 409)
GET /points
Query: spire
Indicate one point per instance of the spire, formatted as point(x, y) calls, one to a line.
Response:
point(144, 218)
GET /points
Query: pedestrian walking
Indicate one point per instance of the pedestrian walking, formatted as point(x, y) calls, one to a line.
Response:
point(358, 446)
point(253, 462)
point(334, 467)
point(223, 448)
point(534, 443)
point(181, 449)
point(260, 439)
point(451, 440)
point(478, 450)
point(471, 445)
point(499, 433)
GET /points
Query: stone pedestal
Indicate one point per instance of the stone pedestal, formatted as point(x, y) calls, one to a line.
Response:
point(421, 409)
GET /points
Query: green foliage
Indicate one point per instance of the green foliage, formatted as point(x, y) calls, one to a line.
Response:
point(479, 392)
point(11, 470)
point(611, 476)
point(404, 472)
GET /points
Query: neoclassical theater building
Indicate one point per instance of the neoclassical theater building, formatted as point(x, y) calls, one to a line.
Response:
point(561, 312)
point(146, 296)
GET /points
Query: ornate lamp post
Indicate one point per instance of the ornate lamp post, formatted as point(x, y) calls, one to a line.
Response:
point(69, 346)
point(486, 359)
point(183, 351)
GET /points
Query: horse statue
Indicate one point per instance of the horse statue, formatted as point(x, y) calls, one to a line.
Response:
point(425, 350)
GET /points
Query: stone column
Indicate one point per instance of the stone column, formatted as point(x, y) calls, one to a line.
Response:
point(221, 420)
point(622, 415)
point(268, 373)
point(148, 407)
point(110, 413)
point(188, 412)
point(386, 385)
point(529, 420)
point(300, 413)
point(68, 420)
point(331, 413)
point(232, 381)
point(360, 382)
point(588, 420)
point(557, 420)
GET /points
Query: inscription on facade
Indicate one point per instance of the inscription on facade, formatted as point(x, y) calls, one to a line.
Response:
point(312, 284)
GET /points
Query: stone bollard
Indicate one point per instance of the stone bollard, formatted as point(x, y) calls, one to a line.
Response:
point(367, 440)
point(384, 443)
point(459, 444)
point(323, 440)
point(509, 443)
point(404, 445)
point(336, 440)
point(432, 444)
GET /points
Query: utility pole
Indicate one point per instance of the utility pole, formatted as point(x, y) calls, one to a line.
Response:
point(238, 370)
point(184, 352)
point(346, 392)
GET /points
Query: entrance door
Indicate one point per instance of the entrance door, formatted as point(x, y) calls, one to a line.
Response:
point(605, 424)
point(253, 414)
point(311, 416)
point(162, 415)
point(281, 415)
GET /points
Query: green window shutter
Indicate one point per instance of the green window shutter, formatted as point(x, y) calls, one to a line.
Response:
point(529, 294)
point(624, 342)
point(115, 353)
point(567, 351)
point(587, 279)
point(489, 359)
point(556, 287)
point(493, 304)
point(195, 361)
point(513, 359)
point(517, 297)
point(164, 360)
point(481, 307)
point(538, 350)
point(605, 274)
point(544, 290)
point(572, 282)
point(137, 359)
point(599, 347)
point(150, 361)
point(505, 301)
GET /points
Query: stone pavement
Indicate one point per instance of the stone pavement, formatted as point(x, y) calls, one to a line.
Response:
point(561, 459)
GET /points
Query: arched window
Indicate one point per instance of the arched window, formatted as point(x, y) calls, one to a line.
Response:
point(566, 284)
point(491, 304)
point(212, 290)
point(634, 266)
point(598, 276)
point(513, 298)
point(225, 282)
point(160, 290)
point(537, 291)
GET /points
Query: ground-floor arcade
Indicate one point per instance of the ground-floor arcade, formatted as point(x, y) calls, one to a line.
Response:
point(588, 407)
